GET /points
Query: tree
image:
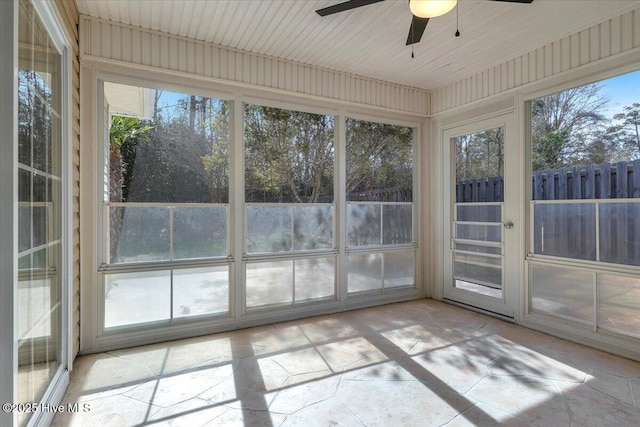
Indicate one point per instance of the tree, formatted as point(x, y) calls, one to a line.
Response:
point(288, 155)
point(480, 155)
point(564, 123)
point(125, 134)
point(378, 156)
point(631, 125)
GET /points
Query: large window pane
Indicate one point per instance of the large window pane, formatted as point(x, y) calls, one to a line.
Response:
point(177, 153)
point(399, 269)
point(268, 229)
point(142, 234)
point(565, 230)
point(289, 156)
point(200, 291)
point(619, 306)
point(585, 146)
point(315, 278)
point(379, 168)
point(620, 233)
point(199, 232)
point(133, 298)
point(39, 208)
point(397, 224)
point(269, 283)
point(379, 162)
point(312, 227)
point(364, 273)
point(563, 291)
point(363, 224)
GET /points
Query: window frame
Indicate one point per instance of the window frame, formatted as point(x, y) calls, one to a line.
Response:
point(415, 212)
point(592, 332)
point(94, 337)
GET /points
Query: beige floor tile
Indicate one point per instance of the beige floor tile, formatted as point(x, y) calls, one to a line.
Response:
point(588, 358)
point(171, 390)
point(396, 403)
point(486, 416)
point(531, 363)
point(193, 412)
point(449, 366)
point(418, 363)
point(613, 385)
point(530, 399)
point(326, 413)
point(591, 407)
point(103, 372)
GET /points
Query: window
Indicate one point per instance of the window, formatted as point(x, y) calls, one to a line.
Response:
point(167, 204)
point(379, 191)
point(289, 188)
point(585, 202)
point(42, 216)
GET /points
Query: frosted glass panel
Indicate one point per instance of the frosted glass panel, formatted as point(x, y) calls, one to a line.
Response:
point(363, 224)
point(199, 291)
point(565, 230)
point(199, 232)
point(478, 248)
point(485, 233)
point(269, 283)
point(315, 278)
point(365, 273)
point(313, 227)
point(397, 224)
point(620, 233)
point(399, 269)
point(479, 213)
point(619, 305)
point(269, 229)
point(131, 298)
point(478, 273)
point(139, 234)
point(562, 291)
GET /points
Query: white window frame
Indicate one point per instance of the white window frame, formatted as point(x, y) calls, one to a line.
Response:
point(62, 40)
point(588, 333)
point(95, 71)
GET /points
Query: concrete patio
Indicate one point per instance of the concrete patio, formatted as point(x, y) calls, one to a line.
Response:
point(417, 363)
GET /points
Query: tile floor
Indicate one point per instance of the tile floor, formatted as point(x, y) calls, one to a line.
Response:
point(418, 363)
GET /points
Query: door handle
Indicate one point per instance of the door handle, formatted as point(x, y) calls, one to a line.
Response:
point(508, 225)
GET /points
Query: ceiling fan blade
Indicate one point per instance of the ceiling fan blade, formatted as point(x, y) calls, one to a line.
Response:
point(418, 25)
point(516, 1)
point(347, 5)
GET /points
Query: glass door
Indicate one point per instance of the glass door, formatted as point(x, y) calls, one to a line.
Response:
point(481, 216)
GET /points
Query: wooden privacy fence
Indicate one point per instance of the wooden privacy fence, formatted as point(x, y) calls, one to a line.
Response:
point(601, 230)
point(604, 181)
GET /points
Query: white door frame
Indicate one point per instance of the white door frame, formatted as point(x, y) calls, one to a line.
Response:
point(507, 306)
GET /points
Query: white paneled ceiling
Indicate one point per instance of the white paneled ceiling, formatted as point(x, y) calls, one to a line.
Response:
point(368, 41)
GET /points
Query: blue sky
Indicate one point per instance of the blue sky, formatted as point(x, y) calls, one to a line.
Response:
point(622, 90)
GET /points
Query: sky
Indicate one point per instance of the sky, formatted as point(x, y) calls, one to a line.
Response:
point(622, 90)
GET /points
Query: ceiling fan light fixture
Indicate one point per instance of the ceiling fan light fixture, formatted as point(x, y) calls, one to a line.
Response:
point(431, 8)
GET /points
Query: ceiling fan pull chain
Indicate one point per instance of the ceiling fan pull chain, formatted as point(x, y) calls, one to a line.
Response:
point(457, 23)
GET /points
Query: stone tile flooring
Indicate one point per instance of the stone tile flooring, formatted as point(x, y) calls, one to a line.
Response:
point(419, 363)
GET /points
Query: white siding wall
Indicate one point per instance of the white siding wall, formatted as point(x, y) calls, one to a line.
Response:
point(605, 40)
point(69, 15)
point(117, 42)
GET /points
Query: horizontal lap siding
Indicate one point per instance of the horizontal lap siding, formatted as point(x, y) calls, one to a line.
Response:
point(601, 41)
point(69, 15)
point(118, 42)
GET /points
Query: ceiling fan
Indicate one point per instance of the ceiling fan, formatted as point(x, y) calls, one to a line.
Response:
point(422, 11)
